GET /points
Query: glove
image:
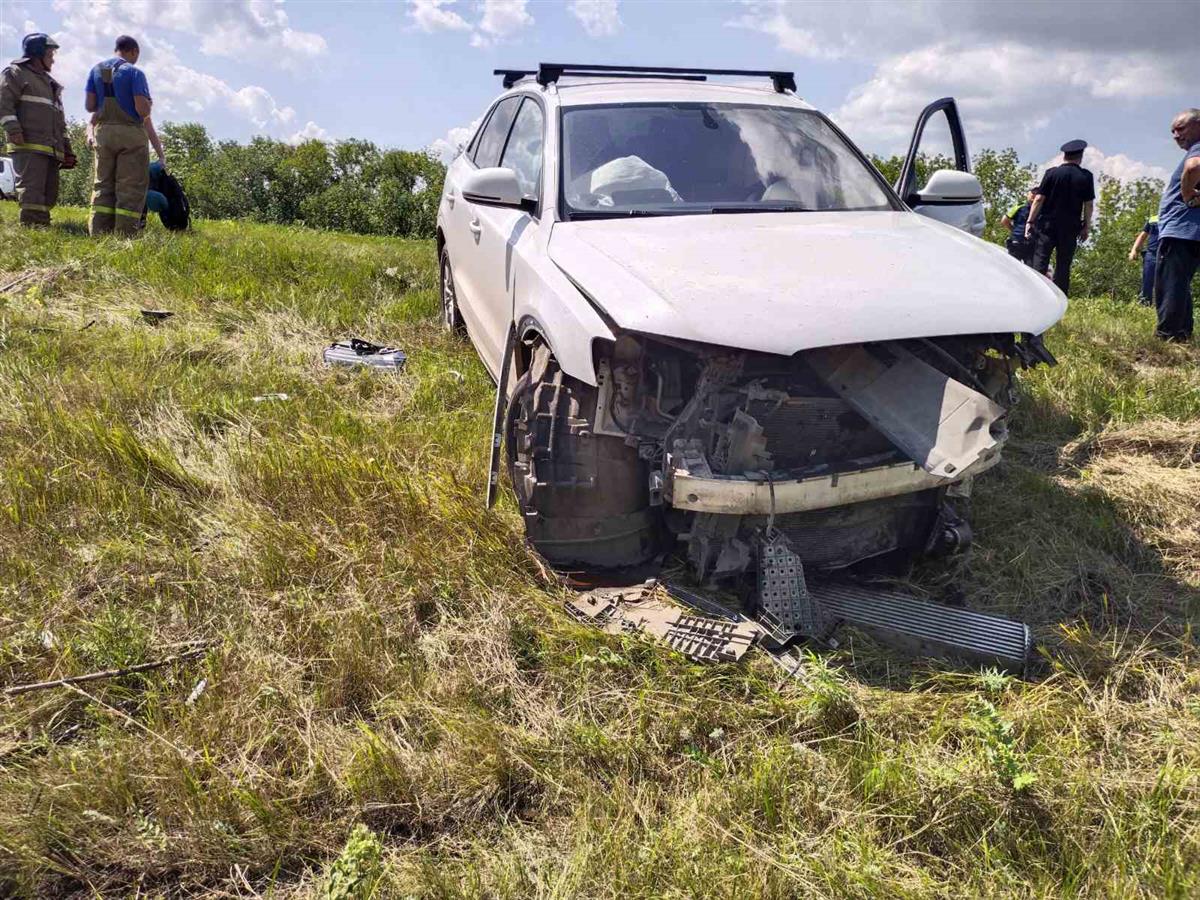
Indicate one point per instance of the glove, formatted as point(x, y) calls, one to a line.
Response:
point(69, 161)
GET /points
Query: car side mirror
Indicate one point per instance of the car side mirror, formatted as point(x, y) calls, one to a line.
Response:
point(951, 186)
point(496, 186)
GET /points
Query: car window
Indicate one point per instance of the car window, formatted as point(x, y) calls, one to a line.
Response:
point(523, 154)
point(664, 158)
point(495, 132)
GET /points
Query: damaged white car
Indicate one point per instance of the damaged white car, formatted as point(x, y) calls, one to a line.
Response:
point(721, 332)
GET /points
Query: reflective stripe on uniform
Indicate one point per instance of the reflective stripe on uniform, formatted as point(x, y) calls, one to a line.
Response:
point(116, 211)
point(4, 120)
point(30, 98)
point(33, 148)
point(35, 206)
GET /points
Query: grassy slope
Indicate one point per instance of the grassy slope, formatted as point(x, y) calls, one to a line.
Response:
point(384, 652)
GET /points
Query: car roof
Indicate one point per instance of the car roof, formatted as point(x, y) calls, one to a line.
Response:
point(579, 91)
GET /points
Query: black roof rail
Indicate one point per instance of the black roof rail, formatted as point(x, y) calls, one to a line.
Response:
point(549, 73)
point(512, 76)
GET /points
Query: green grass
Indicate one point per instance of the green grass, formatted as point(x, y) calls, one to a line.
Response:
point(394, 703)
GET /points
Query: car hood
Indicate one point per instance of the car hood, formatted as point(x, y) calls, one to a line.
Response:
point(785, 282)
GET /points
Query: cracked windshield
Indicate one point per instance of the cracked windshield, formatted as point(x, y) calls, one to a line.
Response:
point(672, 158)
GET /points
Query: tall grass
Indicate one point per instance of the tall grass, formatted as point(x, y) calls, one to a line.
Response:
point(393, 702)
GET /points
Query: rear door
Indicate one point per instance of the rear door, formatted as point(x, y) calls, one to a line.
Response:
point(939, 132)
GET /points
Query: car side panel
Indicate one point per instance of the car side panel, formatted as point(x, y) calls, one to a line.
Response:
point(454, 215)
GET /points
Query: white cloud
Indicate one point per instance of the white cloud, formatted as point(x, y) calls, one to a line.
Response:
point(436, 15)
point(1118, 166)
point(86, 34)
point(446, 148)
point(1005, 91)
point(1013, 67)
point(498, 20)
point(600, 18)
point(310, 132)
point(223, 28)
point(501, 19)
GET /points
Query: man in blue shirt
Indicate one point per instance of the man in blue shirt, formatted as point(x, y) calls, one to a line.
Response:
point(1179, 234)
point(118, 97)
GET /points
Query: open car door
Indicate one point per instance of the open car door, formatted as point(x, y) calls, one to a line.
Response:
point(953, 196)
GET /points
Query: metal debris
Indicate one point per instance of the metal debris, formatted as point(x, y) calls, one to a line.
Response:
point(647, 609)
point(356, 352)
point(155, 316)
point(783, 598)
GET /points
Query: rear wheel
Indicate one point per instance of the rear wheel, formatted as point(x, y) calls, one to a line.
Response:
point(451, 318)
point(584, 497)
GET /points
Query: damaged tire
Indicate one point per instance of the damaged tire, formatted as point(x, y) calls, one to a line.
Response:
point(584, 497)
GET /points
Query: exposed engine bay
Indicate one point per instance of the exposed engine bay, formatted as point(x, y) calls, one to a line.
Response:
point(759, 469)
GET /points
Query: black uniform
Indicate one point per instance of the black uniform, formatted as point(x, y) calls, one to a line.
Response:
point(1065, 189)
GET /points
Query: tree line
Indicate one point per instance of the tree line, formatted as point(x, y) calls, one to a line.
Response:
point(350, 185)
point(356, 186)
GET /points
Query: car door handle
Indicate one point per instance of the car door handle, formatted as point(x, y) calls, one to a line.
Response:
point(476, 228)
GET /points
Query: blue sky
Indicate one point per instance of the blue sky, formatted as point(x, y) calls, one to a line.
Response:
point(414, 74)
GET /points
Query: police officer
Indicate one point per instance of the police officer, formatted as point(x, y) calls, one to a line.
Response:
point(1179, 234)
point(118, 97)
point(1014, 220)
point(1061, 213)
point(1146, 243)
point(31, 113)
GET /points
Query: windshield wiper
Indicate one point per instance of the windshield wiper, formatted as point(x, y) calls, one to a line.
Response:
point(721, 210)
point(631, 213)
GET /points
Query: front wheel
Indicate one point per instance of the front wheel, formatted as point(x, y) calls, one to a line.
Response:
point(451, 318)
point(584, 497)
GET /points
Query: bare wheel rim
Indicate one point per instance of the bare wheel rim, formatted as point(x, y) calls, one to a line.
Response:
point(449, 303)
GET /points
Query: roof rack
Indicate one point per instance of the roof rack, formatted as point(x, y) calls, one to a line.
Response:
point(549, 73)
point(512, 76)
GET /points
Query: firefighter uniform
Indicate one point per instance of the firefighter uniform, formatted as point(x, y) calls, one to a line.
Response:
point(122, 170)
point(31, 109)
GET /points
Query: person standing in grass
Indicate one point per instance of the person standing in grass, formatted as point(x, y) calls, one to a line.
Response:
point(1014, 220)
point(1179, 234)
point(1061, 214)
point(1146, 243)
point(118, 97)
point(35, 129)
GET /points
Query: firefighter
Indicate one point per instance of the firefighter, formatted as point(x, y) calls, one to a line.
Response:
point(31, 112)
point(118, 97)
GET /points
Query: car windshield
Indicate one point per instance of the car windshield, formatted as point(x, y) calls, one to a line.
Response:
point(673, 158)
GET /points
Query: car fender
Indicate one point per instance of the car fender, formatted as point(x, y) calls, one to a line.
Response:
point(550, 305)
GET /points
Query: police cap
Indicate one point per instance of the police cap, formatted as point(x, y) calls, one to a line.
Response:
point(1073, 147)
point(35, 45)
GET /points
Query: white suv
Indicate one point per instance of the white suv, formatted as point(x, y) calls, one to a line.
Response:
point(723, 327)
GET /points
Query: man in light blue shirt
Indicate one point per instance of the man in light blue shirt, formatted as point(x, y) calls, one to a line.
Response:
point(1179, 234)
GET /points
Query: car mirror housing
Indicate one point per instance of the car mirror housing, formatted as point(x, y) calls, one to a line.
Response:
point(495, 186)
point(951, 186)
